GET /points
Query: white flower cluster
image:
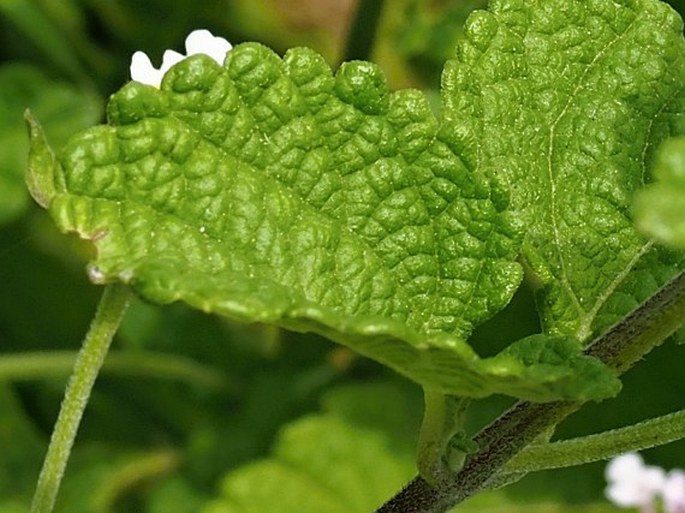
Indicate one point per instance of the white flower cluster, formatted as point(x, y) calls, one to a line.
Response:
point(198, 42)
point(632, 484)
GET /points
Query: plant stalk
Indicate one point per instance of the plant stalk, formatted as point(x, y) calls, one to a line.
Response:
point(620, 348)
point(107, 318)
point(35, 365)
point(363, 28)
point(601, 446)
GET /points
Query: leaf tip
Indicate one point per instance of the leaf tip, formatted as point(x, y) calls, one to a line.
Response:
point(42, 163)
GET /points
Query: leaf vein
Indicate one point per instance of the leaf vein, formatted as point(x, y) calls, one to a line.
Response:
point(550, 171)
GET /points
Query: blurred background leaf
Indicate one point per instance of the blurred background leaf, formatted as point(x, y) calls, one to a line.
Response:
point(339, 461)
point(63, 108)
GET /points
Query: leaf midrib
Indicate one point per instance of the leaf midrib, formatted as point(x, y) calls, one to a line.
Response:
point(586, 317)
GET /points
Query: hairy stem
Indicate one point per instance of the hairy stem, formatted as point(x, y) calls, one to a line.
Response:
point(110, 311)
point(619, 348)
point(586, 449)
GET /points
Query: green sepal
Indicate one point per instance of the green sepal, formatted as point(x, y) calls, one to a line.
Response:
point(42, 164)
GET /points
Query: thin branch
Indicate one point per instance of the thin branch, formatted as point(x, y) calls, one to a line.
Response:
point(586, 449)
point(363, 28)
point(33, 365)
point(113, 304)
point(620, 348)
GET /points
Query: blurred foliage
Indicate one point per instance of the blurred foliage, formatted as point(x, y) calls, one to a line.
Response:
point(354, 465)
point(65, 108)
point(291, 406)
point(659, 208)
point(420, 36)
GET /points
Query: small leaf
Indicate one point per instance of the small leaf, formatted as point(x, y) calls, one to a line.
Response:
point(320, 465)
point(42, 166)
point(660, 207)
point(563, 102)
point(269, 190)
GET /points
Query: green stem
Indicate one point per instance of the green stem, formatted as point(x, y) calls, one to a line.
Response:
point(622, 346)
point(363, 29)
point(58, 364)
point(443, 420)
point(602, 446)
point(110, 311)
point(431, 445)
point(645, 328)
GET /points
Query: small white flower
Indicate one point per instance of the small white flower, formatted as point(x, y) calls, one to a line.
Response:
point(198, 42)
point(632, 483)
point(202, 41)
point(673, 491)
point(144, 72)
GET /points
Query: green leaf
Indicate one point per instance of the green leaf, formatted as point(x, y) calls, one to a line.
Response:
point(63, 109)
point(270, 190)
point(559, 356)
point(562, 103)
point(660, 207)
point(321, 464)
point(175, 495)
point(380, 406)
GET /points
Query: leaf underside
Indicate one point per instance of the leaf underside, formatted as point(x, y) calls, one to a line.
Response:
point(270, 190)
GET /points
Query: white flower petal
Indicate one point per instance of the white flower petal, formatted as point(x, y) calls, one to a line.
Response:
point(625, 496)
point(673, 491)
point(170, 58)
point(622, 466)
point(198, 42)
point(220, 47)
point(202, 41)
point(653, 478)
point(142, 70)
point(631, 482)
